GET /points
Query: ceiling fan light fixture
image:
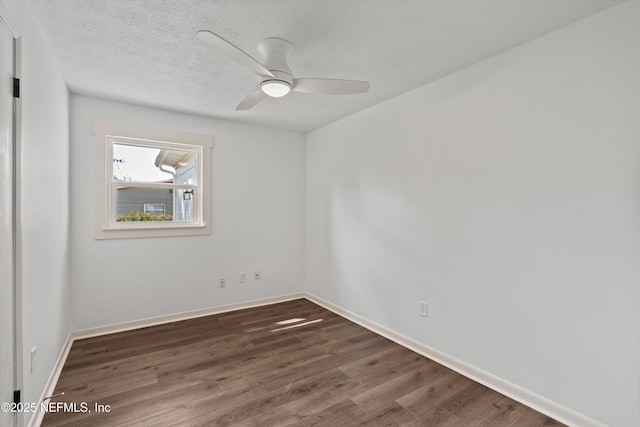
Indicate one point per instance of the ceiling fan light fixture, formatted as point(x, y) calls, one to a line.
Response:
point(275, 88)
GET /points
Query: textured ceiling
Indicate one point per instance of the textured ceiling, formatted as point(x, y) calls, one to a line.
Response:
point(146, 52)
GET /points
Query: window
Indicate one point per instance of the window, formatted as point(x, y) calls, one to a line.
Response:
point(150, 182)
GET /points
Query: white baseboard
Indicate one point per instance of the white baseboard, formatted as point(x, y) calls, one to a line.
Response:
point(153, 321)
point(50, 386)
point(515, 392)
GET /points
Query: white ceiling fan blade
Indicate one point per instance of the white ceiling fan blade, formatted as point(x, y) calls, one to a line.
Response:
point(330, 86)
point(251, 100)
point(233, 52)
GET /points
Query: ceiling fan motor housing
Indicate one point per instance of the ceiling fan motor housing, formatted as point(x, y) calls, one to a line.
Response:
point(275, 52)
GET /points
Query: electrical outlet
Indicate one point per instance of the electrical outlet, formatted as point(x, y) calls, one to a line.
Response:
point(257, 275)
point(33, 359)
point(222, 282)
point(243, 277)
point(423, 309)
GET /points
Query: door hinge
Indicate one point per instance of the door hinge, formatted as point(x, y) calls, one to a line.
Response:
point(16, 88)
point(16, 396)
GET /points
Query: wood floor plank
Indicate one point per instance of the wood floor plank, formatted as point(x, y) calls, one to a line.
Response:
point(445, 384)
point(345, 413)
point(286, 364)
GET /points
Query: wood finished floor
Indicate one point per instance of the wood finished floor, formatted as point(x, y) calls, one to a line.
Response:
point(251, 368)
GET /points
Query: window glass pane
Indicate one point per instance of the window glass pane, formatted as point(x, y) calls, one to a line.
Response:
point(182, 163)
point(134, 163)
point(183, 206)
point(141, 204)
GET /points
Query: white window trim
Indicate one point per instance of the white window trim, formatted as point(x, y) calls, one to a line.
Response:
point(104, 131)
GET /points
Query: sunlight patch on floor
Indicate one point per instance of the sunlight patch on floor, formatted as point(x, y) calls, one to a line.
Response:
point(297, 325)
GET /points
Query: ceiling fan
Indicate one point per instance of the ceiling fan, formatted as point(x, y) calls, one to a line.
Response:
point(275, 77)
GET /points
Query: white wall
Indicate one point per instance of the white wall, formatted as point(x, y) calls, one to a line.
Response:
point(258, 224)
point(507, 196)
point(44, 192)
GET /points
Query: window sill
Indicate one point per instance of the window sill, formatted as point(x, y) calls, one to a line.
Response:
point(105, 233)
